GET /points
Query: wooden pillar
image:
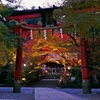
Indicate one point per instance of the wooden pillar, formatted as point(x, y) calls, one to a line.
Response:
point(85, 68)
point(18, 67)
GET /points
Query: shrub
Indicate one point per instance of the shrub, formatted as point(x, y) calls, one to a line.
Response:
point(31, 77)
point(77, 83)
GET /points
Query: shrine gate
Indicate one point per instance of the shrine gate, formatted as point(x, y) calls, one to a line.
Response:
point(41, 19)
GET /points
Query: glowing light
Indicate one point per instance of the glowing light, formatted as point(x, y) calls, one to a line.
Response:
point(69, 68)
point(24, 65)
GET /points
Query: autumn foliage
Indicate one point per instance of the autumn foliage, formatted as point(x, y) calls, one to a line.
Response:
point(52, 49)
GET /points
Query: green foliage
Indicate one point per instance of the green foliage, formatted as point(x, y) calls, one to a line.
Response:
point(7, 35)
point(10, 76)
point(6, 75)
point(77, 83)
point(31, 76)
point(5, 11)
point(76, 72)
point(81, 4)
point(81, 16)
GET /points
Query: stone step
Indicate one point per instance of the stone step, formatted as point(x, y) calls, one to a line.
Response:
point(47, 83)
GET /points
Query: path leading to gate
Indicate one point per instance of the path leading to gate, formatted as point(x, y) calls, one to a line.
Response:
point(65, 94)
point(52, 94)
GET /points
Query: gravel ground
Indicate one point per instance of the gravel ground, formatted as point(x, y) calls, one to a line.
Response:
point(6, 93)
point(28, 93)
point(95, 95)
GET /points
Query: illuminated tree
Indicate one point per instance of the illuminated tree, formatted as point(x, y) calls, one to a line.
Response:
point(54, 47)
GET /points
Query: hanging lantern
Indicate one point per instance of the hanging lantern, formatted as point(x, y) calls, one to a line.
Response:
point(45, 37)
point(31, 35)
point(61, 33)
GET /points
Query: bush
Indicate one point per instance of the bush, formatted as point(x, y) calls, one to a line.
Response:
point(31, 77)
point(77, 83)
point(7, 75)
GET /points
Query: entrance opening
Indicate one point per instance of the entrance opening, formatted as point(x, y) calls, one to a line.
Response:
point(54, 70)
